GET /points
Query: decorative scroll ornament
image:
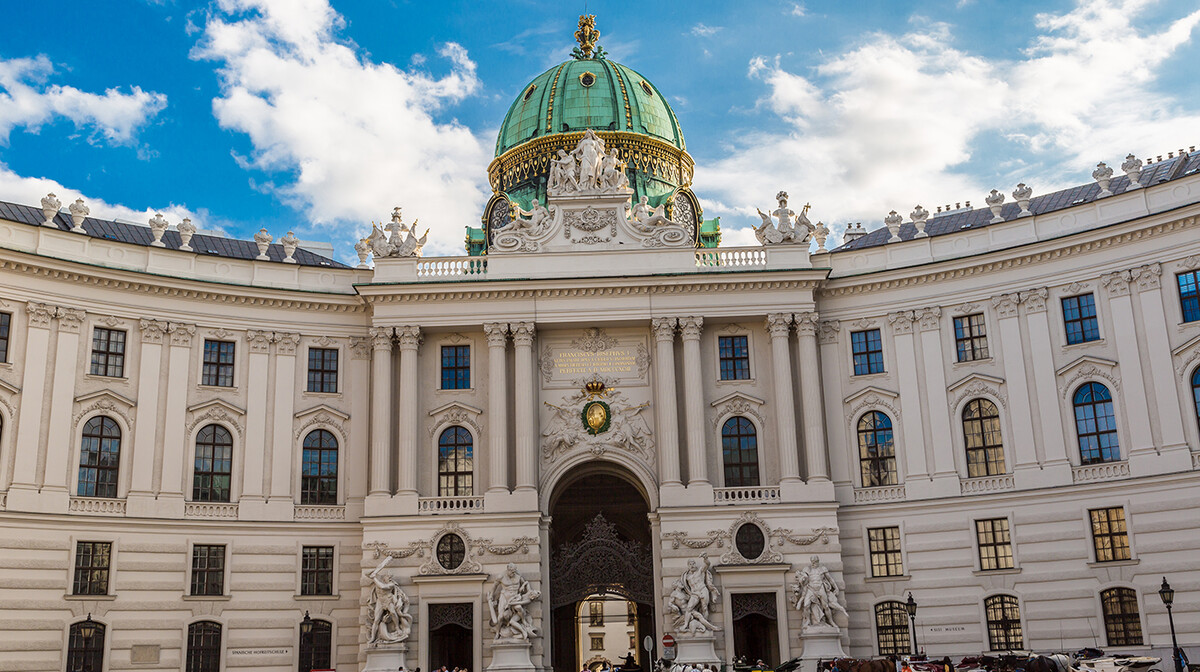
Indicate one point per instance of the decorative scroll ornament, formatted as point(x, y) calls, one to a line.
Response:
point(608, 422)
point(734, 555)
point(785, 232)
point(782, 534)
point(749, 604)
point(476, 547)
point(456, 613)
point(594, 340)
point(678, 539)
point(593, 223)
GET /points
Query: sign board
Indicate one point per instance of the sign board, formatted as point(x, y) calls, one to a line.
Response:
point(668, 640)
point(648, 644)
point(668, 647)
point(564, 361)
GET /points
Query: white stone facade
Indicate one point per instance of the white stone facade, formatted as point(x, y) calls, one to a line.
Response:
point(537, 326)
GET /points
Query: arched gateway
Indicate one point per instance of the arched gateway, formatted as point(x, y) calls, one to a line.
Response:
point(601, 564)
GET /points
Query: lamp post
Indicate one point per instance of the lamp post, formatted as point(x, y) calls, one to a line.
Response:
point(1167, 594)
point(306, 626)
point(87, 630)
point(911, 608)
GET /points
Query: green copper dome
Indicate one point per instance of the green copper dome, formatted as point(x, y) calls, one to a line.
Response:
point(587, 93)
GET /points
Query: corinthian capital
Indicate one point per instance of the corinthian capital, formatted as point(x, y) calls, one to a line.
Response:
point(260, 341)
point(664, 328)
point(153, 330)
point(181, 334)
point(497, 334)
point(929, 317)
point(1117, 283)
point(409, 337)
point(829, 330)
point(1006, 304)
point(1035, 299)
point(902, 321)
point(39, 314)
point(779, 324)
point(69, 319)
point(285, 343)
point(381, 338)
point(807, 323)
point(522, 333)
point(690, 327)
point(1147, 276)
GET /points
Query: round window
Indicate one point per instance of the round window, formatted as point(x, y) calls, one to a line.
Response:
point(646, 87)
point(750, 541)
point(451, 551)
point(529, 92)
point(587, 79)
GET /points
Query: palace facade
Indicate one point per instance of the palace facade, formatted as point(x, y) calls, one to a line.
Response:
point(206, 442)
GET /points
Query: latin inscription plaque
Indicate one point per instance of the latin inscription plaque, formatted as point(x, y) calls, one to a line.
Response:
point(623, 360)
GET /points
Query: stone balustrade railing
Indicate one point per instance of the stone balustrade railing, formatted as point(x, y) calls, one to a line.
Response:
point(747, 495)
point(1086, 473)
point(210, 510)
point(886, 493)
point(1195, 464)
point(971, 486)
point(451, 267)
point(435, 505)
point(731, 257)
point(320, 512)
point(100, 505)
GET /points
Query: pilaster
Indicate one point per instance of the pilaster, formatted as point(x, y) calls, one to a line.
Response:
point(779, 326)
point(62, 400)
point(22, 494)
point(1056, 466)
point(666, 413)
point(693, 404)
point(526, 409)
point(1026, 468)
point(253, 501)
point(280, 501)
point(811, 402)
point(409, 338)
point(497, 442)
point(945, 474)
point(915, 458)
point(171, 485)
point(1141, 452)
point(381, 408)
point(140, 501)
point(1173, 447)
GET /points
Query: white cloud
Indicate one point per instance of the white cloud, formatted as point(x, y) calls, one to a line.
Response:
point(347, 139)
point(28, 101)
point(701, 30)
point(893, 122)
point(798, 9)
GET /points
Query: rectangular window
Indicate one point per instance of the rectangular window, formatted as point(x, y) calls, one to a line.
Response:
point(218, 364)
point(108, 353)
point(1189, 296)
point(92, 563)
point(868, 351)
point(208, 570)
point(456, 367)
point(597, 643)
point(885, 551)
point(970, 337)
point(1079, 317)
point(1109, 535)
point(995, 544)
point(316, 570)
point(596, 613)
point(322, 369)
point(5, 324)
point(734, 355)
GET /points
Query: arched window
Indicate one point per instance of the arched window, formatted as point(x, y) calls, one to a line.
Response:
point(456, 462)
point(739, 449)
point(318, 476)
point(1095, 424)
point(99, 458)
point(85, 646)
point(891, 629)
point(1122, 623)
point(214, 464)
point(876, 451)
point(1003, 623)
point(981, 435)
point(1196, 392)
point(203, 647)
point(316, 644)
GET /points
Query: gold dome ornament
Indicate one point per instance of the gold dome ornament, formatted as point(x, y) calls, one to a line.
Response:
point(596, 417)
point(587, 36)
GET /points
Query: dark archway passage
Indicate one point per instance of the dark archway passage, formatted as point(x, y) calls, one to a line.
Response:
point(600, 544)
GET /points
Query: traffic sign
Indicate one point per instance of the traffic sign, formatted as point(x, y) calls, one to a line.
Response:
point(648, 644)
point(668, 640)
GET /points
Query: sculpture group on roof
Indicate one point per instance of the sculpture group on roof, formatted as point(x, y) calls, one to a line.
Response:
point(778, 228)
point(587, 169)
point(396, 239)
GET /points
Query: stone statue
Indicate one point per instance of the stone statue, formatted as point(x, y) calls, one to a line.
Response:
point(613, 172)
point(816, 595)
point(411, 246)
point(379, 243)
point(539, 217)
point(785, 232)
point(692, 596)
point(388, 608)
point(647, 218)
point(508, 604)
point(563, 174)
point(398, 240)
point(590, 153)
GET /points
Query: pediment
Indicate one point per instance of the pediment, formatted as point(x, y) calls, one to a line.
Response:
point(322, 408)
point(738, 395)
point(1188, 354)
point(1084, 368)
point(976, 377)
point(737, 403)
point(11, 389)
point(456, 405)
point(109, 394)
point(216, 403)
point(975, 385)
point(1085, 360)
point(106, 401)
point(871, 389)
point(1188, 345)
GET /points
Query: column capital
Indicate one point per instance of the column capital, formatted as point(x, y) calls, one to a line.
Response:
point(779, 324)
point(497, 334)
point(40, 314)
point(1147, 276)
point(1006, 304)
point(285, 342)
point(902, 321)
point(664, 328)
point(360, 348)
point(1035, 299)
point(260, 341)
point(929, 317)
point(69, 319)
point(829, 330)
point(807, 322)
point(153, 330)
point(181, 334)
point(381, 338)
point(522, 333)
point(1117, 283)
point(690, 327)
point(409, 337)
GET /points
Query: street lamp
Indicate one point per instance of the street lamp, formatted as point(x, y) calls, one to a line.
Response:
point(306, 627)
point(911, 608)
point(87, 630)
point(1167, 594)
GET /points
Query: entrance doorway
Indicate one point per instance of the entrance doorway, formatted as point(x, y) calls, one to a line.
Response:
point(451, 640)
point(600, 555)
point(755, 628)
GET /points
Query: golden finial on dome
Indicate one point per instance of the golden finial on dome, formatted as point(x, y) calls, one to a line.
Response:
point(587, 35)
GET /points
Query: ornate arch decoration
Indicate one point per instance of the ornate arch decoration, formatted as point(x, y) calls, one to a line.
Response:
point(456, 413)
point(600, 561)
point(495, 215)
point(977, 385)
point(645, 479)
point(104, 402)
point(685, 208)
point(322, 416)
point(218, 411)
point(1186, 356)
point(871, 398)
point(738, 403)
point(777, 537)
point(477, 547)
point(9, 394)
point(1088, 368)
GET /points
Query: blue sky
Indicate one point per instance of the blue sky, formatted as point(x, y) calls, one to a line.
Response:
point(318, 118)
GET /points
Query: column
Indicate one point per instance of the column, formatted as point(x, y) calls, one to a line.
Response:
point(811, 405)
point(941, 429)
point(779, 325)
point(28, 447)
point(381, 409)
point(497, 444)
point(664, 398)
point(916, 464)
point(1021, 406)
point(62, 401)
point(843, 464)
point(1054, 446)
point(284, 443)
point(407, 425)
point(356, 387)
point(1133, 386)
point(526, 407)
point(146, 415)
point(693, 401)
point(1158, 348)
point(254, 473)
point(171, 483)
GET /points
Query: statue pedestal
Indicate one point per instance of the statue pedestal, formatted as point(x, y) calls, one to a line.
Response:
point(388, 657)
point(819, 642)
point(696, 649)
point(511, 655)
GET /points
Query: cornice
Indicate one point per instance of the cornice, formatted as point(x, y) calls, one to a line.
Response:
point(913, 276)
